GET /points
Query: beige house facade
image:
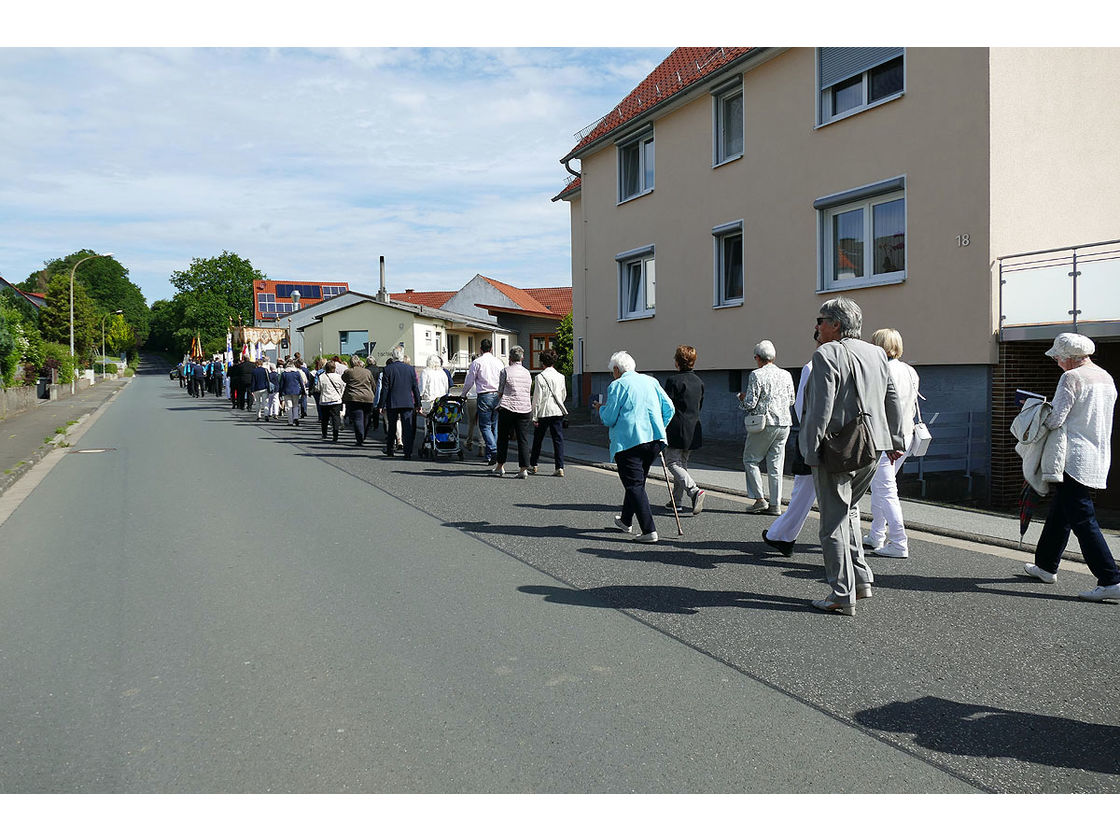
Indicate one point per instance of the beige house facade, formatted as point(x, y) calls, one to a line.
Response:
point(422, 332)
point(736, 189)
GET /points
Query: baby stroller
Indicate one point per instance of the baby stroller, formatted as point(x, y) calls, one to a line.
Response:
point(441, 431)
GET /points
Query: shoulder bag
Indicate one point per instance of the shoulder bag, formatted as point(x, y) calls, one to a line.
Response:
point(922, 437)
point(851, 448)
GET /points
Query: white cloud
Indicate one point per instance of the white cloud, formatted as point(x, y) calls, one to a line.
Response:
point(309, 163)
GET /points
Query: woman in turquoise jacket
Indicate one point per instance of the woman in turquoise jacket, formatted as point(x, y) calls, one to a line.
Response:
point(636, 412)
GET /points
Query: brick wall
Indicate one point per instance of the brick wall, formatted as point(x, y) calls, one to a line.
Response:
point(1021, 365)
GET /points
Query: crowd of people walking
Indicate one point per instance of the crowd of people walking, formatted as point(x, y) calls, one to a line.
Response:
point(856, 406)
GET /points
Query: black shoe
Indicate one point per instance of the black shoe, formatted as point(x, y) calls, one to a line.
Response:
point(784, 548)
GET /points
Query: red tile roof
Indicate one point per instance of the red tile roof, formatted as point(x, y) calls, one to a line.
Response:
point(683, 68)
point(434, 300)
point(520, 298)
point(557, 299)
point(570, 189)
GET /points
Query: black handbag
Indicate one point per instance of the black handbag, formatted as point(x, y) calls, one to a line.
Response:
point(852, 447)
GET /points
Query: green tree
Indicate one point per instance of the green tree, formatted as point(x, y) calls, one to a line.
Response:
point(108, 285)
point(166, 316)
point(9, 351)
point(563, 345)
point(54, 317)
point(119, 335)
point(211, 292)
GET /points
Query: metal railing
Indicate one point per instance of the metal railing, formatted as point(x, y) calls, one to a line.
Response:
point(1073, 285)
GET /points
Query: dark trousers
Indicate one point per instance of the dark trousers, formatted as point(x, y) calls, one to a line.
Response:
point(358, 415)
point(330, 415)
point(633, 467)
point(554, 427)
point(520, 425)
point(1072, 509)
point(238, 394)
point(199, 387)
point(407, 416)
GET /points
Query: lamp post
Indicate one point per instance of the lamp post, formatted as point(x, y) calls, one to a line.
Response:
point(291, 338)
point(73, 271)
point(103, 317)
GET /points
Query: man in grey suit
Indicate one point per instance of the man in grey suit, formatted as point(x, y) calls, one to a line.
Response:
point(842, 365)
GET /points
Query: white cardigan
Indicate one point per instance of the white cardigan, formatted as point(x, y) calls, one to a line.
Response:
point(1042, 449)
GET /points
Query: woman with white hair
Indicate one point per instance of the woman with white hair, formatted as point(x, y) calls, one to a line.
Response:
point(433, 383)
point(767, 401)
point(1082, 408)
point(515, 413)
point(887, 537)
point(636, 412)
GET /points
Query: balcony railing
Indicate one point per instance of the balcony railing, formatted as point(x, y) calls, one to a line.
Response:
point(1043, 292)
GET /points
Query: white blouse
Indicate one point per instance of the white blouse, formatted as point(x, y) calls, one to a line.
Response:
point(770, 391)
point(1083, 404)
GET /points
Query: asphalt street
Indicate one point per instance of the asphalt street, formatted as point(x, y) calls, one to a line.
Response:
point(213, 604)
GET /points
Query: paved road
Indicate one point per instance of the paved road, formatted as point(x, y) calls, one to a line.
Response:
point(215, 605)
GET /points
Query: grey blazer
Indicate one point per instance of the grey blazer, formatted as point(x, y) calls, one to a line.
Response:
point(830, 397)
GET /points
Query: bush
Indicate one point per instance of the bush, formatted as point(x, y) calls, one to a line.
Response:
point(103, 369)
point(58, 358)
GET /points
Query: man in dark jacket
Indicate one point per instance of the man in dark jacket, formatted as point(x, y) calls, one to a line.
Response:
point(198, 371)
point(240, 381)
point(260, 389)
point(400, 399)
point(292, 387)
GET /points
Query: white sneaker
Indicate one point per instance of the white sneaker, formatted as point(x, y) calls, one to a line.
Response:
point(524, 473)
point(1101, 593)
point(499, 471)
point(559, 473)
point(761, 506)
point(626, 529)
point(872, 544)
point(889, 550)
point(651, 537)
point(1043, 575)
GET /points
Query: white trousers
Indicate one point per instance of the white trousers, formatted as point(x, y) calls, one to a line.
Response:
point(787, 527)
point(886, 509)
point(260, 400)
point(291, 405)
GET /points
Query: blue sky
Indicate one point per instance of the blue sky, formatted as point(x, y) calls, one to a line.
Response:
point(120, 133)
point(311, 163)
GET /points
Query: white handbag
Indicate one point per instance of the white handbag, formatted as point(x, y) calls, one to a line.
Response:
point(922, 437)
point(754, 423)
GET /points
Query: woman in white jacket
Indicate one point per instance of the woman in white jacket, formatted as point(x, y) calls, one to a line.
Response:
point(330, 387)
point(1083, 404)
point(887, 537)
point(549, 393)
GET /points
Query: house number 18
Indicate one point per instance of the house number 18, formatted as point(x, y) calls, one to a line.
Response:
point(962, 240)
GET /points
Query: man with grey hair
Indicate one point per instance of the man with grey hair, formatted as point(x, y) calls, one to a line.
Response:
point(850, 377)
point(400, 400)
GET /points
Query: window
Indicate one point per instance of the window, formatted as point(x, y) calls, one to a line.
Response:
point(728, 240)
point(635, 166)
point(537, 343)
point(353, 342)
point(637, 283)
point(852, 79)
point(863, 235)
point(503, 344)
point(728, 131)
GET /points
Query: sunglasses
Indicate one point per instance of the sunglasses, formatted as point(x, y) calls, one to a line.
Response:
point(821, 321)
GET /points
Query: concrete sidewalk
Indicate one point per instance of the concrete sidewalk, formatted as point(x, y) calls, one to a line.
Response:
point(941, 519)
point(27, 437)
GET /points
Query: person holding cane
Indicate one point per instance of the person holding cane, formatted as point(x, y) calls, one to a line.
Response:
point(636, 412)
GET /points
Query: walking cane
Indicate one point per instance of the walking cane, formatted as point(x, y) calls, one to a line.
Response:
point(672, 501)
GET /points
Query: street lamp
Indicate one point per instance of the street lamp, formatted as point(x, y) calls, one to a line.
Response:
point(103, 317)
point(72, 272)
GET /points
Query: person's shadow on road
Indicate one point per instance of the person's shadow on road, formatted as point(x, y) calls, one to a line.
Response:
point(990, 732)
point(681, 600)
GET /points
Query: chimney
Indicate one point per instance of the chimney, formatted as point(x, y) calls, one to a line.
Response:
point(383, 294)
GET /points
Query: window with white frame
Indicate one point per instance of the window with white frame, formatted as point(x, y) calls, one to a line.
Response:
point(728, 131)
point(637, 283)
point(863, 235)
point(852, 79)
point(635, 166)
point(728, 243)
